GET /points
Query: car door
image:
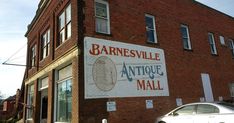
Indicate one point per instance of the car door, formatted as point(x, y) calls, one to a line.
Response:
point(183, 115)
point(206, 113)
point(222, 118)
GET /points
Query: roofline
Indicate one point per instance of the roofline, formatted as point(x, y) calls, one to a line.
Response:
point(43, 4)
point(41, 7)
point(199, 3)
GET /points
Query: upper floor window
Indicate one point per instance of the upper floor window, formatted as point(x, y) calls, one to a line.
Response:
point(65, 25)
point(102, 16)
point(232, 47)
point(45, 44)
point(212, 43)
point(33, 56)
point(185, 36)
point(150, 28)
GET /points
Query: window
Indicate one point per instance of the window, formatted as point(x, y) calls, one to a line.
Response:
point(212, 43)
point(150, 28)
point(232, 47)
point(227, 105)
point(43, 89)
point(43, 83)
point(185, 37)
point(65, 25)
point(45, 45)
point(33, 56)
point(30, 101)
point(102, 16)
point(206, 109)
point(186, 110)
point(64, 95)
point(222, 41)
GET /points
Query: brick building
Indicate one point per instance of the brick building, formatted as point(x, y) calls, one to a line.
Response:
point(12, 109)
point(125, 60)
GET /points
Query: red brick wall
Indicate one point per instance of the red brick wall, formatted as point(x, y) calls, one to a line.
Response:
point(184, 68)
point(48, 19)
point(127, 24)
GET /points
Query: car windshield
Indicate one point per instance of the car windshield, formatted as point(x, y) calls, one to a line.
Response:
point(227, 105)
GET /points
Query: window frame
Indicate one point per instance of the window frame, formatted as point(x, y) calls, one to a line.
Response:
point(64, 25)
point(99, 17)
point(204, 106)
point(43, 90)
point(212, 44)
point(45, 44)
point(149, 29)
point(188, 41)
point(30, 95)
point(231, 43)
point(33, 56)
point(57, 82)
point(231, 46)
point(185, 107)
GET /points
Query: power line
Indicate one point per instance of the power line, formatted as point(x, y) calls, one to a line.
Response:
point(5, 62)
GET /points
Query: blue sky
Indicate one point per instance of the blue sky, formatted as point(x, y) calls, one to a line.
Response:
point(225, 6)
point(15, 15)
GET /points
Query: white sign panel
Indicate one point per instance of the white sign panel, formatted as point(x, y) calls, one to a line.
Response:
point(179, 102)
point(114, 69)
point(111, 106)
point(149, 104)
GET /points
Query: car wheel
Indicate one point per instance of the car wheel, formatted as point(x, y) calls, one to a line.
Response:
point(161, 122)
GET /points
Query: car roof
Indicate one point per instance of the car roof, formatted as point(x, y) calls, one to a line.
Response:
point(196, 103)
point(216, 103)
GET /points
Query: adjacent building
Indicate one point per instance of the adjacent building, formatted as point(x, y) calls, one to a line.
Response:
point(125, 61)
point(11, 109)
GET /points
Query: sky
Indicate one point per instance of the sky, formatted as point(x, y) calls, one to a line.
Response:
point(15, 15)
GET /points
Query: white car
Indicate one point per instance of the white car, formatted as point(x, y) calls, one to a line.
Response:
point(202, 112)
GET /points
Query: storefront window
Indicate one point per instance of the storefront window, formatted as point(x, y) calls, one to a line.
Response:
point(30, 101)
point(64, 98)
point(64, 95)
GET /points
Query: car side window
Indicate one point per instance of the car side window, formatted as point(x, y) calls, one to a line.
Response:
point(186, 110)
point(205, 109)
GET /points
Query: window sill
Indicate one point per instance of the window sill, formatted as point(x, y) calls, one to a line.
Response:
point(103, 34)
point(189, 50)
point(152, 43)
point(214, 54)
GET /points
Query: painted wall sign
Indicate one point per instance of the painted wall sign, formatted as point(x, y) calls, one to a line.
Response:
point(114, 69)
